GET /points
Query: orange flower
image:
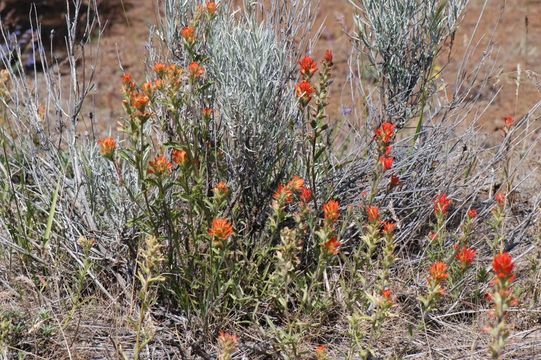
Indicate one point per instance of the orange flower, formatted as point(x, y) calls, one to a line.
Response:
point(147, 88)
point(500, 198)
point(331, 211)
point(221, 229)
point(395, 180)
point(321, 352)
point(188, 33)
point(221, 189)
point(228, 345)
point(509, 121)
point(140, 101)
point(466, 256)
point(438, 272)
point(127, 79)
point(332, 246)
point(373, 214)
point(283, 195)
point(159, 84)
point(305, 90)
point(329, 57)
point(386, 162)
point(472, 213)
point(306, 195)
point(503, 265)
point(196, 70)
point(207, 113)
point(128, 83)
point(296, 184)
point(159, 166)
point(160, 68)
point(389, 228)
point(385, 132)
point(107, 147)
point(179, 157)
point(212, 7)
point(308, 66)
point(442, 204)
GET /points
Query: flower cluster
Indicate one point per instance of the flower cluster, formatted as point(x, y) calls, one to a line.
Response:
point(331, 214)
point(221, 229)
point(438, 275)
point(286, 193)
point(159, 166)
point(307, 68)
point(383, 137)
point(442, 204)
point(107, 147)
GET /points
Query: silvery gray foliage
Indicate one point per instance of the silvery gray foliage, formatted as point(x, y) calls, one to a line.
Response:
point(45, 156)
point(252, 62)
point(257, 106)
point(401, 39)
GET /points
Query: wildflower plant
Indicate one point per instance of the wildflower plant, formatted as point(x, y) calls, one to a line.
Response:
point(502, 299)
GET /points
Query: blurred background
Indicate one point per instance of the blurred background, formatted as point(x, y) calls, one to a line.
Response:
point(515, 24)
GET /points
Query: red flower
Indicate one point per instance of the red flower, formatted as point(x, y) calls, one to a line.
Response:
point(387, 295)
point(438, 272)
point(373, 214)
point(329, 57)
point(389, 228)
point(179, 157)
point(159, 166)
point(386, 162)
point(332, 246)
point(308, 66)
point(509, 121)
point(500, 198)
point(306, 195)
point(466, 256)
point(283, 195)
point(331, 211)
point(221, 229)
point(385, 132)
point(395, 180)
point(207, 113)
point(196, 70)
point(503, 265)
point(433, 236)
point(127, 80)
point(442, 204)
point(304, 91)
point(107, 147)
point(188, 33)
point(472, 213)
